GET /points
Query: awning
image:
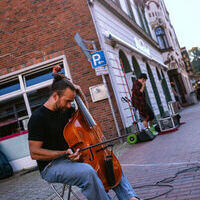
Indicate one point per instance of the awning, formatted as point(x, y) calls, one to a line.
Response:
point(130, 46)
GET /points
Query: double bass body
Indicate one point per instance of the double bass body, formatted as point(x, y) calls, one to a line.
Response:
point(80, 135)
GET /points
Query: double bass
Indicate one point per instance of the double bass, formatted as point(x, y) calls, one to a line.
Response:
point(84, 133)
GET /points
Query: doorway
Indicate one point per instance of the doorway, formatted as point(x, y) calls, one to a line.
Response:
point(155, 90)
point(165, 88)
point(138, 71)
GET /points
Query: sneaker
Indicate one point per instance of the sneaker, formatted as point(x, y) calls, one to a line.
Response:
point(153, 130)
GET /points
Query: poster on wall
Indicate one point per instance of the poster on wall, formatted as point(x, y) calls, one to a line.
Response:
point(98, 92)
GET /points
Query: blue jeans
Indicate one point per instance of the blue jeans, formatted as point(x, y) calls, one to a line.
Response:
point(85, 177)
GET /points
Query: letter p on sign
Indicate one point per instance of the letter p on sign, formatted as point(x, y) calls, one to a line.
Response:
point(98, 59)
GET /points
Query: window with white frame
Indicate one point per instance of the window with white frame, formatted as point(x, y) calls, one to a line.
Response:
point(135, 13)
point(161, 38)
point(143, 21)
point(124, 7)
point(22, 93)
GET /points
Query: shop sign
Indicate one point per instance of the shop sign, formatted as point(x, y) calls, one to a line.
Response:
point(140, 45)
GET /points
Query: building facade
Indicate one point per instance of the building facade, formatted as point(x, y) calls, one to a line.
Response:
point(131, 47)
point(36, 35)
point(164, 33)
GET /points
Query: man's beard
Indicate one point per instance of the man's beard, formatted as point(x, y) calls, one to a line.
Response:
point(60, 109)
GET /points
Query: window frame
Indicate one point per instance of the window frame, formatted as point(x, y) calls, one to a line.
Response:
point(13, 80)
point(125, 3)
point(130, 10)
point(36, 67)
point(163, 37)
point(20, 75)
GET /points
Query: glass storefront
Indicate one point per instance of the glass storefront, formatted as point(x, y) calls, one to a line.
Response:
point(20, 96)
point(13, 116)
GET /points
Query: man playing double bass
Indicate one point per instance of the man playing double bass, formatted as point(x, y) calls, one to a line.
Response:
point(46, 143)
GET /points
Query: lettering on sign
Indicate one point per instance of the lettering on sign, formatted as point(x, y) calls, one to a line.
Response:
point(142, 46)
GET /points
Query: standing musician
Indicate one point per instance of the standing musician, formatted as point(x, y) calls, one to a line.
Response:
point(139, 100)
point(46, 143)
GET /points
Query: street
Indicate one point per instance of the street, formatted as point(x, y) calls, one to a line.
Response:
point(144, 164)
point(166, 155)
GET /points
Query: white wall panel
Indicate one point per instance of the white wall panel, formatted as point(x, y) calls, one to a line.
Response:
point(106, 21)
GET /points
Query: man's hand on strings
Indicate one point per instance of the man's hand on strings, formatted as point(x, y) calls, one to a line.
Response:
point(78, 89)
point(73, 156)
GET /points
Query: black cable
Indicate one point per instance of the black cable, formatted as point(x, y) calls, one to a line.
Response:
point(163, 182)
point(156, 185)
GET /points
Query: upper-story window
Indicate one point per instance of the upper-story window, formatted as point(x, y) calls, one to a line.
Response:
point(125, 7)
point(161, 38)
point(142, 18)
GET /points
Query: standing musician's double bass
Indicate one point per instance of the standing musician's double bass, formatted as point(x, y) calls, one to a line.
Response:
point(84, 133)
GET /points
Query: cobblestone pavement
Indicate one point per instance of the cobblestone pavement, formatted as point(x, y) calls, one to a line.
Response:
point(143, 163)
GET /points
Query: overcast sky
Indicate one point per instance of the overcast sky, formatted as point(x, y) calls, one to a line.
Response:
point(185, 18)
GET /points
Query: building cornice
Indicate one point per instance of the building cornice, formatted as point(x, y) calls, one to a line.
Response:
point(113, 7)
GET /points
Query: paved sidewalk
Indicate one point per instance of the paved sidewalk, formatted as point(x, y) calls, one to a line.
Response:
point(163, 157)
point(143, 163)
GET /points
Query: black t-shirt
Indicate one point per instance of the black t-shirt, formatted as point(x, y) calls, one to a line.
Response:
point(47, 126)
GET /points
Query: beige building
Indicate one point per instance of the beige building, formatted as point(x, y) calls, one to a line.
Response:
point(163, 32)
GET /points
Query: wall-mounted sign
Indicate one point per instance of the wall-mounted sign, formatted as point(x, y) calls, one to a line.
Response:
point(82, 44)
point(98, 92)
point(98, 59)
point(142, 46)
point(101, 70)
point(99, 63)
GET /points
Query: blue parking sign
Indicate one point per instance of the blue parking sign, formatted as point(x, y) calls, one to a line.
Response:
point(98, 59)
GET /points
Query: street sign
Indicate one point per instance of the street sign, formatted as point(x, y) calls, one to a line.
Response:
point(101, 70)
point(82, 45)
point(98, 59)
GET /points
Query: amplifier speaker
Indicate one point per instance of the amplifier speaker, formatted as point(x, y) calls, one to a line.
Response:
point(169, 123)
point(145, 135)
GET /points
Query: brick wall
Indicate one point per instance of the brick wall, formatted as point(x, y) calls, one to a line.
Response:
point(37, 30)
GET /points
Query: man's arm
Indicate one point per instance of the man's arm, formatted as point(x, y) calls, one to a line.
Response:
point(175, 93)
point(39, 153)
point(143, 86)
point(82, 95)
point(138, 88)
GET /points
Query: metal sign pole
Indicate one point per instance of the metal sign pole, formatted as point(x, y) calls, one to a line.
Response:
point(110, 101)
point(111, 106)
point(87, 53)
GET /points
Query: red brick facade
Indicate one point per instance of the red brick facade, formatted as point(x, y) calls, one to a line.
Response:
point(37, 30)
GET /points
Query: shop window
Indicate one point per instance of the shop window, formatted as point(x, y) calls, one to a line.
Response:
point(161, 38)
point(13, 116)
point(9, 87)
point(15, 107)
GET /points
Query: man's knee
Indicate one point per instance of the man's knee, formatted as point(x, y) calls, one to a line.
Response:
point(89, 170)
point(89, 177)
